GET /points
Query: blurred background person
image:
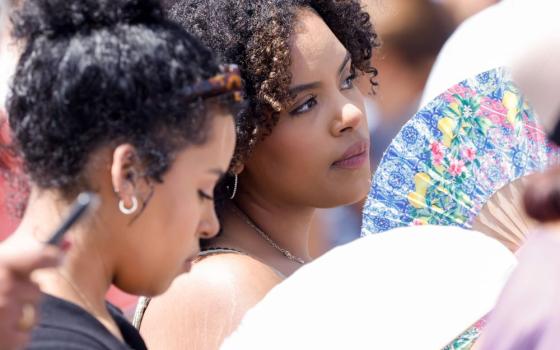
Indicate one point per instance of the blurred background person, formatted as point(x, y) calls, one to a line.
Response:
point(490, 39)
point(528, 314)
point(412, 33)
point(460, 10)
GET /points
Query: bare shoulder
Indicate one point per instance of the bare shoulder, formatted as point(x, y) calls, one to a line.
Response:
point(204, 306)
point(228, 275)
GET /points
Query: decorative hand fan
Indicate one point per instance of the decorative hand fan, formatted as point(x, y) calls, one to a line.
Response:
point(456, 161)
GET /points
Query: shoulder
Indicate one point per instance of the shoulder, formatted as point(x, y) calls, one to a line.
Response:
point(217, 268)
point(208, 303)
point(487, 31)
point(226, 275)
point(221, 279)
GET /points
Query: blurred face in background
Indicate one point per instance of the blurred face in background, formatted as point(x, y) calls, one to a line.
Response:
point(412, 33)
point(463, 9)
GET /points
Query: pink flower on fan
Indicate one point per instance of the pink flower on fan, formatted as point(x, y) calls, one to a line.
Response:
point(437, 152)
point(456, 167)
point(460, 90)
point(469, 153)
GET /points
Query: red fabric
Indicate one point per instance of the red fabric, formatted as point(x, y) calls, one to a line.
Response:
point(8, 221)
point(8, 168)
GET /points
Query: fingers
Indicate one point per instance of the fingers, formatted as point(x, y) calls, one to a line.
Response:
point(25, 262)
point(19, 296)
point(14, 340)
point(17, 317)
point(19, 301)
point(15, 292)
point(27, 292)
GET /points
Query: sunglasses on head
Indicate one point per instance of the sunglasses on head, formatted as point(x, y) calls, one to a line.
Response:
point(228, 81)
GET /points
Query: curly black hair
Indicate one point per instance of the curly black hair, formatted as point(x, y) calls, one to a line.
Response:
point(95, 73)
point(255, 35)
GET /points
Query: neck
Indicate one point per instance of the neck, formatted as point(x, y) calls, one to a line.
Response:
point(44, 213)
point(287, 225)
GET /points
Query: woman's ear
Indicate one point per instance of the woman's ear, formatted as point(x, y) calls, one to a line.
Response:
point(125, 173)
point(237, 168)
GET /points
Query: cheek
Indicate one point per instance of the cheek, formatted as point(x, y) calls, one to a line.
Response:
point(162, 239)
point(182, 207)
point(175, 218)
point(296, 145)
point(293, 162)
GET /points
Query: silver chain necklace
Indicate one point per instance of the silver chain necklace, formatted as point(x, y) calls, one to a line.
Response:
point(266, 237)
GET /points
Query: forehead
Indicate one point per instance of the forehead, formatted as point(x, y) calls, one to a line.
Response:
point(313, 44)
point(221, 138)
point(217, 151)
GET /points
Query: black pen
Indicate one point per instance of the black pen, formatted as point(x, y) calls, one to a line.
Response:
point(85, 202)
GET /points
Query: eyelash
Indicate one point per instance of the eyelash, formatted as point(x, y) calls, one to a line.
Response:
point(306, 106)
point(204, 196)
point(349, 81)
point(312, 101)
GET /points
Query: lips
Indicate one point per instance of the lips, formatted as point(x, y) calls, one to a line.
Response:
point(354, 157)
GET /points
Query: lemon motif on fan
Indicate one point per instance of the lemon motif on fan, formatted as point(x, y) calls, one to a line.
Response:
point(467, 156)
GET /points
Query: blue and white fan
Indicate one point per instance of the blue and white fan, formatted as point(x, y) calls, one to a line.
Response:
point(463, 160)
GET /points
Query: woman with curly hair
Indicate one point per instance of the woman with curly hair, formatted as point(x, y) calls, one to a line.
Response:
point(302, 144)
point(111, 97)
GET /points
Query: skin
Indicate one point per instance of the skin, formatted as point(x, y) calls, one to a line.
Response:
point(143, 252)
point(287, 177)
point(17, 288)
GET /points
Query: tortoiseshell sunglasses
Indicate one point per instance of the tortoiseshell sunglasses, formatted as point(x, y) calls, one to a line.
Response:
point(228, 81)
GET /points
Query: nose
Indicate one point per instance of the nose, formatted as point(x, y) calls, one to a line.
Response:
point(347, 119)
point(209, 225)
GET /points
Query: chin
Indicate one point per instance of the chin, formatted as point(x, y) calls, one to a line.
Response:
point(155, 290)
point(139, 291)
point(347, 192)
point(342, 197)
point(149, 287)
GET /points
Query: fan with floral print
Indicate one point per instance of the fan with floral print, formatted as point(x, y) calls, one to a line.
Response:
point(462, 160)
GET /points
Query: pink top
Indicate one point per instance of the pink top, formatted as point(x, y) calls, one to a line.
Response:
point(527, 316)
